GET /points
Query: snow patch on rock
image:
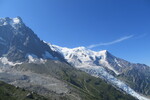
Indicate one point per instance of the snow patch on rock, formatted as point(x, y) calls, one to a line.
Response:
point(5, 61)
point(14, 22)
point(34, 59)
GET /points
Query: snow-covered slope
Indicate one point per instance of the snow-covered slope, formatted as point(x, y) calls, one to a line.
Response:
point(83, 57)
point(98, 64)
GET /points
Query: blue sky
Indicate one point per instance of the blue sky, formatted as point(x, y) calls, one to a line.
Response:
point(119, 26)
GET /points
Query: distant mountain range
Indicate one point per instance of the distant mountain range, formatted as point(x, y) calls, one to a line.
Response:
point(59, 73)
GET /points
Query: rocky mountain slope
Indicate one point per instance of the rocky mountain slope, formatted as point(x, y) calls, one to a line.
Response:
point(119, 72)
point(9, 92)
point(138, 77)
point(29, 63)
point(59, 81)
point(18, 42)
point(78, 85)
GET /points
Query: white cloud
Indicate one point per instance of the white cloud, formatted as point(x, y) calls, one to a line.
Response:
point(110, 43)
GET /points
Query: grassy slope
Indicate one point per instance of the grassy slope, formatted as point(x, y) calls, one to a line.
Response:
point(9, 92)
point(86, 86)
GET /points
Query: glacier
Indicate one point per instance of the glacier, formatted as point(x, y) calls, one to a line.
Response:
point(85, 60)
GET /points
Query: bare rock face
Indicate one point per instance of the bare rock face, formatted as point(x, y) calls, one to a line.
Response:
point(29, 95)
point(17, 41)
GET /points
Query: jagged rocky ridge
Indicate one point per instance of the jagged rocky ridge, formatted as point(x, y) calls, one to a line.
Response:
point(30, 63)
point(17, 42)
point(119, 72)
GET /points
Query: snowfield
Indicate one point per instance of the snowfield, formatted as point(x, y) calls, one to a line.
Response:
point(94, 63)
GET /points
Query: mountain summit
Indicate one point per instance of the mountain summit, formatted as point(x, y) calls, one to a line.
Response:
point(18, 42)
point(86, 58)
point(20, 46)
point(14, 22)
point(117, 71)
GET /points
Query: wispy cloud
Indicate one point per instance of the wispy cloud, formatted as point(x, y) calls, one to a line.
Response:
point(110, 43)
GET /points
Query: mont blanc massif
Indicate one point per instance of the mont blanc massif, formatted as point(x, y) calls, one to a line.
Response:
point(32, 69)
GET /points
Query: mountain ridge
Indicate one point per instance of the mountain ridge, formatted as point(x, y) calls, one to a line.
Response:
point(17, 41)
point(19, 45)
point(113, 69)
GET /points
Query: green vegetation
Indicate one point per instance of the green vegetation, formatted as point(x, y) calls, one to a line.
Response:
point(9, 92)
point(82, 84)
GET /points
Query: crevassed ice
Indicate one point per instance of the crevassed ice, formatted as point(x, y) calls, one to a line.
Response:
point(79, 58)
point(100, 72)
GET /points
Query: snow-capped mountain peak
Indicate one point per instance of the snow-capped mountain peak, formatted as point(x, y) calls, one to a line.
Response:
point(82, 57)
point(17, 41)
point(99, 64)
point(16, 20)
point(79, 51)
point(10, 21)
